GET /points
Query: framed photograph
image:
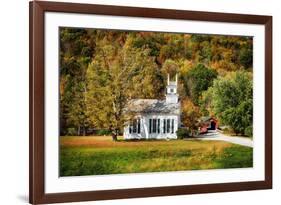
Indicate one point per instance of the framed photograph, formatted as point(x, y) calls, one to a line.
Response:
point(132, 102)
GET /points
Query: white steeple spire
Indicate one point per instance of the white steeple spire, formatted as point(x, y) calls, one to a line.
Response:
point(168, 81)
point(171, 94)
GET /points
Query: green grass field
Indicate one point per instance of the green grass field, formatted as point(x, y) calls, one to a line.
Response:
point(100, 155)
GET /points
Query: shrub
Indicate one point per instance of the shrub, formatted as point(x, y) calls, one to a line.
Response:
point(227, 130)
point(249, 131)
point(71, 131)
point(182, 133)
point(103, 132)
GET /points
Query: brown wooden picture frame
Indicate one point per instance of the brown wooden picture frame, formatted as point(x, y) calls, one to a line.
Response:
point(37, 9)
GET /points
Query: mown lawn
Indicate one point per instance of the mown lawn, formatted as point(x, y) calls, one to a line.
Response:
point(100, 155)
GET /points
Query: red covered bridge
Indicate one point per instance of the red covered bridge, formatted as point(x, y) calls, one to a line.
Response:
point(208, 123)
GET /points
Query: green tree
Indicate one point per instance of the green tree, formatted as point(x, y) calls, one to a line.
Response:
point(246, 57)
point(231, 99)
point(197, 80)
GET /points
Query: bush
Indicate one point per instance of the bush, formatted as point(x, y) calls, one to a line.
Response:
point(227, 130)
point(182, 133)
point(103, 132)
point(71, 131)
point(249, 131)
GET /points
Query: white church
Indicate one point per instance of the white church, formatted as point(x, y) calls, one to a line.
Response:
point(155, 119)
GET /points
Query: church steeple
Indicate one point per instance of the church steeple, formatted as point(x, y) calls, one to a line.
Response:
point(171, 93)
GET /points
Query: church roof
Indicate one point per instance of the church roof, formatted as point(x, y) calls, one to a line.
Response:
point(153, 106)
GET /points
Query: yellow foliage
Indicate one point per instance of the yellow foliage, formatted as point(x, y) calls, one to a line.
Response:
point(190, 114)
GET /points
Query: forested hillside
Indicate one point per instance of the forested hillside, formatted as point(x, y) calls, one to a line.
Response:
point(100, 70)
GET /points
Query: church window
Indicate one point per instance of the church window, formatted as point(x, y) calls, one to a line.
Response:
point(164, 125)
point(173, 125)
point(150, 125)
point(168, 125)
point(158, 125)
point(138, 126)
point(154, 126)
point(134, 126)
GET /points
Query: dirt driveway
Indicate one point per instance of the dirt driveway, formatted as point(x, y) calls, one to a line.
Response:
point(222, 137)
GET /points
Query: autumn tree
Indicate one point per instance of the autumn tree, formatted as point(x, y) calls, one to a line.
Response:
point(170, 67)
point(115, 76)
point(198, 59)
point(75, 54)
point(190, 115)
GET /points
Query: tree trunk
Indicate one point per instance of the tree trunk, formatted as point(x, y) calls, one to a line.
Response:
point(115, 133)
point(114, 137)
point(78, 131)
point(84, 131)
point(191, 133)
